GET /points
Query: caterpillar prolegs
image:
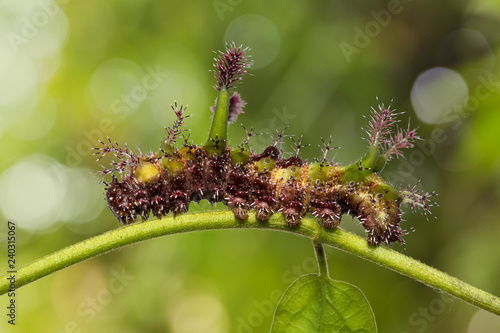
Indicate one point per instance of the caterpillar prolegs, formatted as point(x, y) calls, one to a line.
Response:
point(169, 179)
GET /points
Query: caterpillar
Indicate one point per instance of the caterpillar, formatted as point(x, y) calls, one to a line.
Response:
point(169, 179)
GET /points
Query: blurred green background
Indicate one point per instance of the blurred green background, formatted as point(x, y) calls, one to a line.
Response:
point(74, 72)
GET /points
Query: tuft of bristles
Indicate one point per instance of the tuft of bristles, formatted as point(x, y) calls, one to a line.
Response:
point(418, 199)
point(127, 158)
point(380, 132)
point(236, 105)
point(381, 122)
point(403, 139)
point(230, 66)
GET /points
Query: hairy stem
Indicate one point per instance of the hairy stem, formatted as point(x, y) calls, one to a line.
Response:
point(321, 259)
point(337, 238)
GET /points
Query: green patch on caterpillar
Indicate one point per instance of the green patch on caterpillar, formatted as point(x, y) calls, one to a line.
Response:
point(181, 172)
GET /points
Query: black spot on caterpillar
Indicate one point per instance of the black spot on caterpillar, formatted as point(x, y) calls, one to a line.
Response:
point(169, 179)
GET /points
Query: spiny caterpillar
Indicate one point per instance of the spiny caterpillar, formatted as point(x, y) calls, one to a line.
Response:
point(169, 179)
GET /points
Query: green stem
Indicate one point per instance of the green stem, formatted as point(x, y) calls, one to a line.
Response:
point(321, 259)
point(225, 220)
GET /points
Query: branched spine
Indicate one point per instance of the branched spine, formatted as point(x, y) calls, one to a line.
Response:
point(175, 132)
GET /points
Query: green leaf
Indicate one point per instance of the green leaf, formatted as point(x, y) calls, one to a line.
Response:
point(319, 304)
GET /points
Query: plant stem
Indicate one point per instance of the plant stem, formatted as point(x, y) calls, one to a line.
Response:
point(321, 259)
point(225, 220)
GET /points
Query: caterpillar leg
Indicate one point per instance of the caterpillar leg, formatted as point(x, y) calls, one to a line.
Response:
point(239, 205)
point(292, 203)
point(237, 192)
point(293, 212)
point(179, 202)
point(142, 202)
point(328, 218)
point(324, 205)
point(159, 194)
point(240, 212)
point(264, 198)
point(121, 201)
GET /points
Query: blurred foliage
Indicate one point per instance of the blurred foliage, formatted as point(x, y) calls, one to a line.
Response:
point(66, 68)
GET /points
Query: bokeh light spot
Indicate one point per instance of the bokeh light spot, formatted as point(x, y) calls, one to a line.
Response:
point(112, 86)
point(32, 192)
point(435, 94)
point(38, 192)
point(18, 79)
point(199, 313)
point(37, 123)
point(484, 322)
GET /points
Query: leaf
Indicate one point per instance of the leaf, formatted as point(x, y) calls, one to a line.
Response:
point(319, 304)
